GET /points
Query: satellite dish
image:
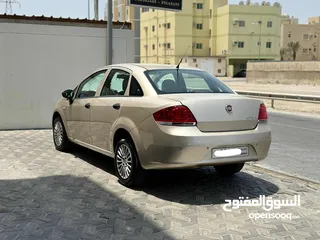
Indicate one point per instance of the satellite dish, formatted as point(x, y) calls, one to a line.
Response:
point(241, 3)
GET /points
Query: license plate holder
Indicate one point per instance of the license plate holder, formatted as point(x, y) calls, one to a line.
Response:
point(229, 152)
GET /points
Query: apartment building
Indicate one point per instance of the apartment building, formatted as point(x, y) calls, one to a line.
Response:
point(308, 37)
point(211, 28)
point(121, 11)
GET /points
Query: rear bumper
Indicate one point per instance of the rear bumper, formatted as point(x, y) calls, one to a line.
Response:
point(167, 147)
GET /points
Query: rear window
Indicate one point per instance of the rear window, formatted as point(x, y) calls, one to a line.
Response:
point(166, 81)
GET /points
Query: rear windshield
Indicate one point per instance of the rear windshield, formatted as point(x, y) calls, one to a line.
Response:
point(166, 81)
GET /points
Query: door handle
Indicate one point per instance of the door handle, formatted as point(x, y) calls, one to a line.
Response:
point(87, 105)
point(116, 106)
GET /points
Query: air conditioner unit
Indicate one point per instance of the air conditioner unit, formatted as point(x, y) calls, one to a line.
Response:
point(235, 43)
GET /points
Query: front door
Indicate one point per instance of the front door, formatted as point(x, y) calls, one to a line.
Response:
point(79, 110)
point(106, 109)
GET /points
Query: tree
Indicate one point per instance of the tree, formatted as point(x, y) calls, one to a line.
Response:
point(283, 52)
point(294, 47)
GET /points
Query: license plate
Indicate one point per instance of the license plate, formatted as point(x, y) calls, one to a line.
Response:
point(230, 152)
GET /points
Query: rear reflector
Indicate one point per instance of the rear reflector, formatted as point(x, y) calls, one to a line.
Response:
point(263, 114)
point(176, 115)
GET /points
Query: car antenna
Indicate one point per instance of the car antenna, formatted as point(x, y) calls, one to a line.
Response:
point(177, 67)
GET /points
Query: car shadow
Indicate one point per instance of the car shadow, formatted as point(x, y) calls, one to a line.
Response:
point(201, 186)
point(69, 207)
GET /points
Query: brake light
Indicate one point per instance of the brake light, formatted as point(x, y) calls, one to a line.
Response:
point(176, 115)
point(263, 114)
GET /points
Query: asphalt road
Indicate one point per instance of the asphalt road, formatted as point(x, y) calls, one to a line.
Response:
point(295, 145)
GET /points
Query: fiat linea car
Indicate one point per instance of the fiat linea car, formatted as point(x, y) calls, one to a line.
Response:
point(161, 117)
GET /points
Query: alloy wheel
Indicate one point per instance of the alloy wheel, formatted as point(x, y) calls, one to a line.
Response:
point(58, 133)
point(124, 161)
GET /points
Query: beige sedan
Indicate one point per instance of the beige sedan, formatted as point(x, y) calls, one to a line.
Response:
point(161, 117)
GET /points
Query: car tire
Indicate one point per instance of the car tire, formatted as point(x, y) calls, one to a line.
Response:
point(60, 138)
point(229, 169)
point(127, 164)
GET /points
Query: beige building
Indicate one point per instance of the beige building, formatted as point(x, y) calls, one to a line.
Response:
point(212, 28)
point(121, 11)
point(308, 37)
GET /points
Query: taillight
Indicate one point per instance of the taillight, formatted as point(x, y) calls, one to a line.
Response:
point(176, 115)
point(263, 114)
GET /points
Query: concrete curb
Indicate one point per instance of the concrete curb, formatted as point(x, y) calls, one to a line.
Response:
point(270, 169)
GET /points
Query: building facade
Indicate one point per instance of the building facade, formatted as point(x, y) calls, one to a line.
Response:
point(211, 29)
point(308, 37)
point(120, 12)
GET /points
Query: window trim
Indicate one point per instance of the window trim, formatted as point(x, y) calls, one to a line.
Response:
point(90, 77)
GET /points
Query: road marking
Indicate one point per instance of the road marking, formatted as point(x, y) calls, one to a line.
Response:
point(309, 129)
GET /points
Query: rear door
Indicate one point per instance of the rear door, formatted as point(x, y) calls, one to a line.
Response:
point(106, 109)
point(78, 113)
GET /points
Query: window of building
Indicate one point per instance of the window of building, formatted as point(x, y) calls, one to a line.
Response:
point(243, 66)
point(219, 70)
point(194, 60)
point(168, 25)
point(199, 46)
point(314, 49)
point(219, 60)
point(242, 23)
point(210, 33)
point(268, 44)
point(269, 24)
point(199, 25)
point(199, 5)
point(153, 10)
point(153, 47)
point(168, 45)
point(305, 50)
point(145, 10)
point(153, 28)
point(305, 36)
point(210, 13)
point(240, 44)
point(289, 35)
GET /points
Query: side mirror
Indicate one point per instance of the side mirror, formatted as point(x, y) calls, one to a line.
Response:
point(68, 94)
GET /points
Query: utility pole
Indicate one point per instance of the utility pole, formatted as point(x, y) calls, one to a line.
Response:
point(88, 9)
point(109, 49)
point(9, 5)
point(96, 10)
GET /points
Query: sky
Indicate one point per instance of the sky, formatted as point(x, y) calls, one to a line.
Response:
point(79, 8)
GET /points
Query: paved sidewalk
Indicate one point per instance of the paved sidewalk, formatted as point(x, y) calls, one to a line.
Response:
point(45, 194)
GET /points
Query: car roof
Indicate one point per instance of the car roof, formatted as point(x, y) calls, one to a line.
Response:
point(150, 66)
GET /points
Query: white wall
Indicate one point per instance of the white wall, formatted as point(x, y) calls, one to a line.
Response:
point(219, 68)
point(38, 62)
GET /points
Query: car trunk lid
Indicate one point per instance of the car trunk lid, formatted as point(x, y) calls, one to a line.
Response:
point(220, 112)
